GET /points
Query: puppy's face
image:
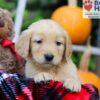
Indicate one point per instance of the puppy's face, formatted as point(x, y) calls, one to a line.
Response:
point(47, 47)
point(47, 43)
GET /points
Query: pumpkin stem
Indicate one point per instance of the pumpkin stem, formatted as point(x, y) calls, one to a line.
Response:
point(85, 59)
point(72, 3)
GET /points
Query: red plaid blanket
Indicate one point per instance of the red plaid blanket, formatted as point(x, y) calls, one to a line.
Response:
point(16, 87)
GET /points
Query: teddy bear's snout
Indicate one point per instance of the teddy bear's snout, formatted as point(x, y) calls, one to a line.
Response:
point(1, 22)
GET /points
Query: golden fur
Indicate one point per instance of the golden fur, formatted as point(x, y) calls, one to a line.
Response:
point(43, 37)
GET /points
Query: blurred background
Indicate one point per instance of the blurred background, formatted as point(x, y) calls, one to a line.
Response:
point(41, 9)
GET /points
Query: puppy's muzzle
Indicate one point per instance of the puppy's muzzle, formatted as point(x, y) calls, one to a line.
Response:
point(49, 57)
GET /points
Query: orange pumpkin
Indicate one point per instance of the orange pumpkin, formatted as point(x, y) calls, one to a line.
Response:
point(70, 18)
point(88, 77)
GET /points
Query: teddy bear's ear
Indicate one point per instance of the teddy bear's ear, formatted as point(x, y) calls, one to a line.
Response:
point(22, 45)
point(8, 13)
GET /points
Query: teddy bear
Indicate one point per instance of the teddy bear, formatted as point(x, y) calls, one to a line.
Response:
point(10, 60)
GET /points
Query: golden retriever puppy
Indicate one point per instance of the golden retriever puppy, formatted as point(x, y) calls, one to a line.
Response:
point(47, 49)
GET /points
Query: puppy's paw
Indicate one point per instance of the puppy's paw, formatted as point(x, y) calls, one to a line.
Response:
point(43, 76)
point(73, 85)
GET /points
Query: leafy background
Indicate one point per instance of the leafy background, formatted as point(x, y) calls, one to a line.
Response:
point(40, 9)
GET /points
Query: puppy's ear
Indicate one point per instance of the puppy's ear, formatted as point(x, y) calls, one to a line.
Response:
point(22, 45)
point(68, 47)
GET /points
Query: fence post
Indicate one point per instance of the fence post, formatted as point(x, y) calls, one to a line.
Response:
point(19, 18)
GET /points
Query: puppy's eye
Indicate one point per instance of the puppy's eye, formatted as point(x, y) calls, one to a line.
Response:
point(38, 41)
point(58, 43)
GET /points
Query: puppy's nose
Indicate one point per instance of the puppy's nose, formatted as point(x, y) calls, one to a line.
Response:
point(49, 57)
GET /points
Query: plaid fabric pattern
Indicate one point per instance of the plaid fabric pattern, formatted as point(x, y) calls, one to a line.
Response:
point(16, 87)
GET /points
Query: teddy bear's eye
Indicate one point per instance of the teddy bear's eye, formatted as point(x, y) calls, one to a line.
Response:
point(58, 43)
point(1, 22)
